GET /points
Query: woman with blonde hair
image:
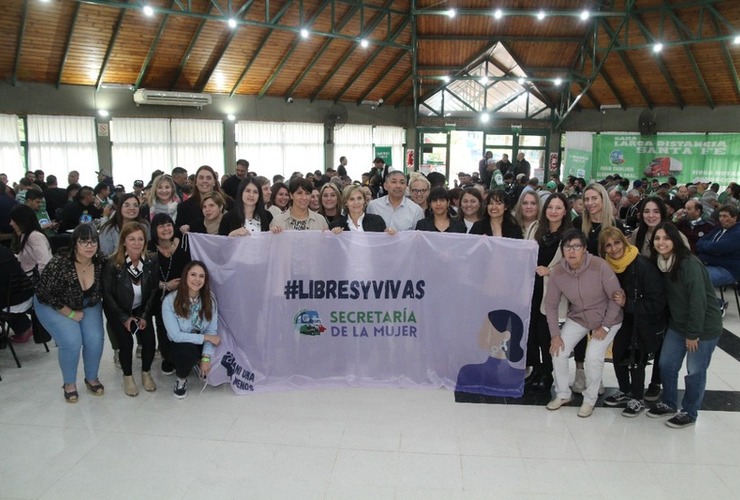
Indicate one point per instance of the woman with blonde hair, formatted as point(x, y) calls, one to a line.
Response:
point(419, 187)
point(527, 212)
point(129, 288)
point(163, 197)
point(355, 218)
point(642, 298)
point(597, 215)
point(330, 199)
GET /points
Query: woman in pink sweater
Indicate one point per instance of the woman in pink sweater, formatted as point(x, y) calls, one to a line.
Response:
point(588, 283)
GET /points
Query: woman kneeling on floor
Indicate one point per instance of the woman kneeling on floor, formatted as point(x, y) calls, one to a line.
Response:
point(588, 283)
point(190, 316)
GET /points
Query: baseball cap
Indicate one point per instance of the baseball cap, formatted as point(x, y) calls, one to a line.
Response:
point(138, 183)
point(551, 185)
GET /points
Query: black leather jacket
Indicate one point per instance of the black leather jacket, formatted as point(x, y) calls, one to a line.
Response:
point(118, 291)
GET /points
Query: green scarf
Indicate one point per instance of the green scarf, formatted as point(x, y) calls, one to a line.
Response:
point(619, 265)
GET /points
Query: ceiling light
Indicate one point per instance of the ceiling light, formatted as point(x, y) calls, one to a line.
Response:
point(521, 81)
point(451, 13)
point(498, 14)
point(558, 81)
point(484, 117)
point(585, 15)
point(148, 11)
point(103, 113)
point(231, 118)
point(364, 43)
point(736, 41)
point(484, 80)
point(304, 33)
point(541, 15)
point(232, 22)
point(657, 47)
point(446, 79)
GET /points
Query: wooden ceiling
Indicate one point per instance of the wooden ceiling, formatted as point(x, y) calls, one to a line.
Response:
point(188, 46)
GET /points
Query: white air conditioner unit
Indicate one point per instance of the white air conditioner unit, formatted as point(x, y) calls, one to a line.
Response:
point(167, 98)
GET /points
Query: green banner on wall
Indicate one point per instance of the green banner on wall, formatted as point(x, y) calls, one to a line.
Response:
point(384, 153)
point(715, 157)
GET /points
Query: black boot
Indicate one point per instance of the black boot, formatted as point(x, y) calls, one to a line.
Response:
point(533, 377)
point(544, 383)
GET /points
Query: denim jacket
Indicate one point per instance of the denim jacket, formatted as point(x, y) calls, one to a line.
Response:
point(181, 330)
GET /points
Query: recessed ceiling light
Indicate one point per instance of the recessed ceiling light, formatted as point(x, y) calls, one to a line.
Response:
point(521, 81)
point(103, 112)
point(657, 47)
point(558, 81)
point(446, 79)
point(484, 117)
point(484, 80)
point(148, 11)
point(585, 15)
point(232, 22)
point(231, 118)
point(364, 43)
point(541, 15)
point(451, 13)
point(498, 14)
point(304, 33)
point(736, 41)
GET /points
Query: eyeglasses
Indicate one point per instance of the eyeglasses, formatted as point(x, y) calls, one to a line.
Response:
point(576, 247)
point(419, 191)
point(87, 243)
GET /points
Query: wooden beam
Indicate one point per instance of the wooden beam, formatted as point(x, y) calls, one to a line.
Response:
point(19, 42)
point(109, 50)
point(68, 43)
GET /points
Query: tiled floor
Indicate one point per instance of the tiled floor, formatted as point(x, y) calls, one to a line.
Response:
point(352, 443)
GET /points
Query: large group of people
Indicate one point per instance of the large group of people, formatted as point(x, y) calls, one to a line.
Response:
point(627, 267)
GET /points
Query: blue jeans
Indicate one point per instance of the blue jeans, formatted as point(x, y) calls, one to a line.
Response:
point(71, 335)
point(719, 276)
point(697, 362)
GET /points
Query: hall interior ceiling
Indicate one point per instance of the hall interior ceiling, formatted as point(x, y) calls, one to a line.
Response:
point(414, 49)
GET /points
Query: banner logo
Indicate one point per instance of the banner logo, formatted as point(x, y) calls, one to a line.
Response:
point(308, 322)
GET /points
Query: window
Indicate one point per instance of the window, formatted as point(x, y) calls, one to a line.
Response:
point(280, 148)
point(141, 146)
point(11, 157)
point(59, 144)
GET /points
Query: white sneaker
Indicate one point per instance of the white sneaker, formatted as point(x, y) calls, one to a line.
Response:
point(557, 402)
point(579, 385)
point(586, 410)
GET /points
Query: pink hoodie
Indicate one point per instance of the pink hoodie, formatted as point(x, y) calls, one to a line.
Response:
point(589, 291)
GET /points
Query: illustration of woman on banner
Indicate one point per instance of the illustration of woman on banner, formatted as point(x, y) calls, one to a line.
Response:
point(501, 335)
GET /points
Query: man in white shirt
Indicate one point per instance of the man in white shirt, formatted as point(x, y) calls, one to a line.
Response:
point(399, 212)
